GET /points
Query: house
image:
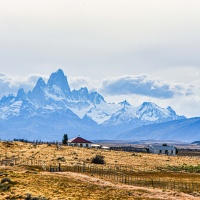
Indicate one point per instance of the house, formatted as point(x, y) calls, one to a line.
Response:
point(80, 142)
point(167, 150)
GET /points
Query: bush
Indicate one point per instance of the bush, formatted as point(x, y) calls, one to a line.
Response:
point(5, 184)
point(98, 159)
point(29, 197)
point(5, 180)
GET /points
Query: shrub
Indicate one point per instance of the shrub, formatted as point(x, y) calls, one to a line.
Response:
point(5, 180)
point(29, 197)
point(98, 159)
point(62, 159)
point(4, 188)
point(5, 184)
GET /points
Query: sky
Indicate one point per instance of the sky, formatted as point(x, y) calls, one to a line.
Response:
point(138, 50)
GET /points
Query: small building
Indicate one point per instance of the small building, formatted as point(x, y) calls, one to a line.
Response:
point(167, 150)
point(105, 148)
point(79, 142)
point(96, 146)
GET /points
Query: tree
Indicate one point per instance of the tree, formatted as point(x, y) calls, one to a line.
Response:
point(65, 139)
point(164, 144)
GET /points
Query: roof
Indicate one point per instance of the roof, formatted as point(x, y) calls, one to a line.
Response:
point(79, 140)
point(162, 147)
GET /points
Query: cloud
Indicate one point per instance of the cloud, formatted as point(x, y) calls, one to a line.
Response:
point(11, 84)
point(99, 38)
point(126, 85)
point(81, 81)
point(144, 85)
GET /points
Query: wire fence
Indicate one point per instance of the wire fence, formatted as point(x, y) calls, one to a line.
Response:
point(116, 167)
point(128, 178)
point(122, 174)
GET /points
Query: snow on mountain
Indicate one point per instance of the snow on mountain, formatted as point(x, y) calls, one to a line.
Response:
point(150, 112)
point(100, 112)
point(79, 110)
point(123, 115)
point(10, 109)
point(147, 113)
point(60, 80)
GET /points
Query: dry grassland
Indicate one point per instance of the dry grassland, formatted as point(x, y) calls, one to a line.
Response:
point(68, 185)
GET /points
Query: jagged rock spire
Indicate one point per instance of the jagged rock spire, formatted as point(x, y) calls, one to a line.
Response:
point(59, 79)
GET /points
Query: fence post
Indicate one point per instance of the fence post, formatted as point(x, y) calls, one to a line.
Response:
point(152, 183)
point(59, 167)
point(174, 185)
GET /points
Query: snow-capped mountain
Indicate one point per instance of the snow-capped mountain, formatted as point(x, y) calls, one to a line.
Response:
point(124, 115)
point(149, 112)
point(51, 107)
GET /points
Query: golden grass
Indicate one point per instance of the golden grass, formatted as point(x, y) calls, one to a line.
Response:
point(68, 155)
point(31, 180)
point(58, 187)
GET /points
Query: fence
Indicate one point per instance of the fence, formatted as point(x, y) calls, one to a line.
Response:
point(127, 178)
point(115, 173)
point(117, 167)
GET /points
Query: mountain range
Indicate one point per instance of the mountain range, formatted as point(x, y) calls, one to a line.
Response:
point(52, 109)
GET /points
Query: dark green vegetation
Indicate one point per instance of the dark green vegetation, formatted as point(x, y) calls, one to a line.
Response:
point(65, 139)
point(185, 168)
point(98, 159)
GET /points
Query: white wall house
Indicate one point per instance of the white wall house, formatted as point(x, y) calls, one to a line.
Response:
point(167, 150)
point(80, 142)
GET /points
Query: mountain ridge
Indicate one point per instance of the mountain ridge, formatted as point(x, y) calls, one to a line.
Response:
point(87, 112)
point(186, 130)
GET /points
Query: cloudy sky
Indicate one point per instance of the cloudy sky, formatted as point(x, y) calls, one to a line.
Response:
point(145, 50)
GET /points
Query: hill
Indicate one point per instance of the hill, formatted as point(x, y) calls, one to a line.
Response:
point(196, 142)
point(179, 130)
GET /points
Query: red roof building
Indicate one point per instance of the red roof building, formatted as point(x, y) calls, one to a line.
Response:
point(79, 141)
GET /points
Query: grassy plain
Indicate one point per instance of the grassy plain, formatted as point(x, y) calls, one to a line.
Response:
point(67, 185)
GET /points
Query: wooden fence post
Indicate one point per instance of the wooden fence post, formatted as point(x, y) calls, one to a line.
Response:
point(59, 167)
point(152, 183)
